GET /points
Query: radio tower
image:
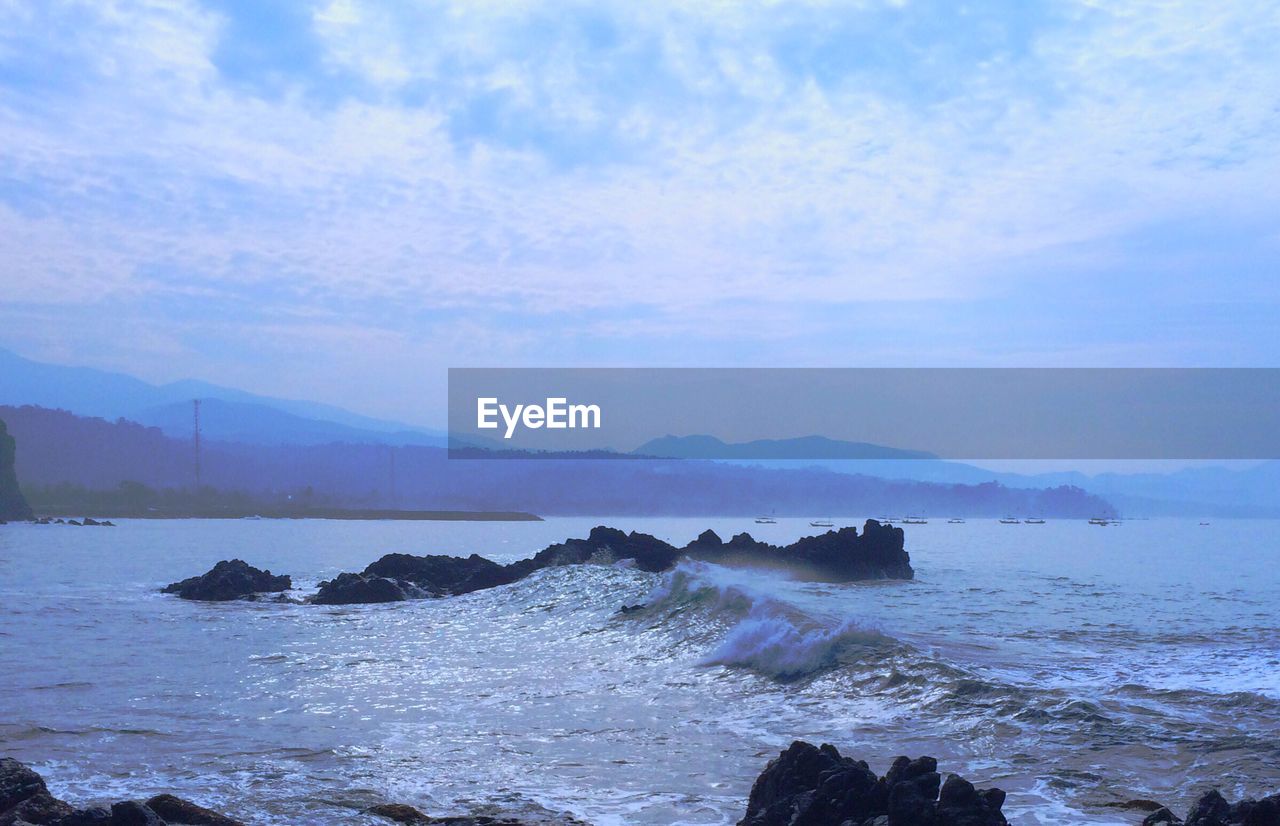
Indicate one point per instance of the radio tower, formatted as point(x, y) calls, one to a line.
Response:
point(196, 440)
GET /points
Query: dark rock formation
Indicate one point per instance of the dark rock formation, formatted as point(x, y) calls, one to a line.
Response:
point(355, 589)
point(808, 785)
point(838, 556)
point(1212, 809)
point(24, 799)
point(176, 810)
point(12, 503)
point(229, 579)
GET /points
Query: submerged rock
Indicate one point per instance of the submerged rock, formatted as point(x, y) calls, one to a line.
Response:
point(229, 579)
point(807, 785)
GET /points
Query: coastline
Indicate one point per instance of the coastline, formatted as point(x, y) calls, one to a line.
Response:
point(355, 514)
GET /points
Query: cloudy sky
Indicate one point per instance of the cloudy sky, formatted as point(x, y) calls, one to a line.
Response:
point(338, 200)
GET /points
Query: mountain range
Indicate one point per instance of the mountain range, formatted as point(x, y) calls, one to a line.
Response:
point(226, 414)
point(233, 416)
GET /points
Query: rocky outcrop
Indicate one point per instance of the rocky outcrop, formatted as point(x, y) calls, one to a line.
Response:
point(358, 589)
point(836, 556)
point(24, 799)
point(807, 785)
point(229, 579)
point(1212, 809)
point(12, 503)
point(839, 556)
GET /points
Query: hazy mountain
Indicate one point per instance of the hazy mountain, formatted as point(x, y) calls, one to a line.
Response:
point(58, 450)
point(806, 447)
point(226, 413)
point(1216, 491)
point(249, 423)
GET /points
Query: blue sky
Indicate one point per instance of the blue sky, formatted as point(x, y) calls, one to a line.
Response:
point(338, 200)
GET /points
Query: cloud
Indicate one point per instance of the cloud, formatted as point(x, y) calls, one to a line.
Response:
point(544, 174)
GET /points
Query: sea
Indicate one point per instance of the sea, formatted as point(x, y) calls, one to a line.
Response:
point(1077, 667)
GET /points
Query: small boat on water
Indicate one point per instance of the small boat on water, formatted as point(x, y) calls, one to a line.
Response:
point(1204, 523)
point(1033, 521)
point(1010, 520)
point(1099, 521)
point(822, 523)
point(915, 520)
point(766, 520)
point(955, 521)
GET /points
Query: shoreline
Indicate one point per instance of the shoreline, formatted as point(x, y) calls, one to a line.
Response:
point(356, 514)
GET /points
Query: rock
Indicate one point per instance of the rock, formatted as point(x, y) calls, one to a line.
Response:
point(17, 783)
point(840, 556)
point(134, 813)
point(94, 816)
point(441, 575)
point(355, 589)
point(399, 812)
point(229, 579)
point(1211, 809)
point(808, 785)
point(24, 796)
point(13, 505)
point(40, 808)
point(175, 810)
point(1159, 816)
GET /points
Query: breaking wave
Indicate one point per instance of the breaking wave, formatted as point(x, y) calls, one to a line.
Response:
point(758, 627)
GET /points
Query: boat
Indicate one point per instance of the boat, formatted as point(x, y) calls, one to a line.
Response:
point(766, 520)
point(955, 521)
point(1033, 521)
point(915, 520)
point(1010, 520)
point(822, 523)
point(1099, 521)
point(1204, 523)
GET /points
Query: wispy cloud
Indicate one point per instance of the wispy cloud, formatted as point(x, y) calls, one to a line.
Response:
point(478, 180)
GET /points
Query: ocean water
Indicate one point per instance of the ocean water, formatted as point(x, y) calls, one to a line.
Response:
point(1074, 666)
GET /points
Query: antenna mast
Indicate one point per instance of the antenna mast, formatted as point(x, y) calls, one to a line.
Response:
point(196, 440)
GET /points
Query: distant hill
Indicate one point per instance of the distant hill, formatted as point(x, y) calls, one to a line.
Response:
point(226, 413)
point(61, 451)
point(805, 447)
point(1207, 491)
point(258, 424)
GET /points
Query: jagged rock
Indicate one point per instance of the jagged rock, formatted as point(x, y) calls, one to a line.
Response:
point(808, 785)
point(12, 503)
point(844, 555)
point(24, 796)
point(441, 575)
point(354, 589)
point(175, 810)
point(229, 579)
point(134, 813)
point(841, 555)
point(1161, 816)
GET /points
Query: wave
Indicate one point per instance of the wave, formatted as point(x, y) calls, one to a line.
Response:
point(762, 630)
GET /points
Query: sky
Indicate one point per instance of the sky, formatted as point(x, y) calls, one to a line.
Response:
point(338, 200)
